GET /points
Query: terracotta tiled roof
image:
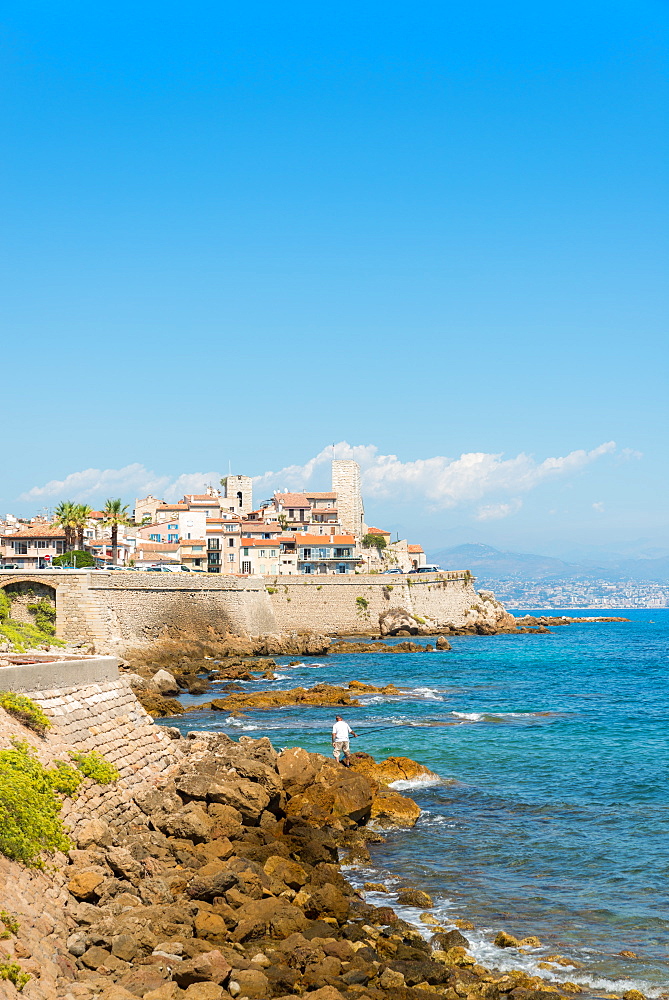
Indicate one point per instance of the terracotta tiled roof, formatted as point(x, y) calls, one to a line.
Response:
point(377, 531)
point(38, 531)
point(188, 497)
point(157, 547)
point(323, 510)
point(292, 499)
point(172, 506)
point(415, 548)
point(321, 496)
point(324, 539)
point(260, 542)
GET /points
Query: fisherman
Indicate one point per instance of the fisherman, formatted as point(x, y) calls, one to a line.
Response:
point(340, 734)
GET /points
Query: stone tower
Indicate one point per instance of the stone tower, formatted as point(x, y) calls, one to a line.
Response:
point(239, 493)
point(346, 484)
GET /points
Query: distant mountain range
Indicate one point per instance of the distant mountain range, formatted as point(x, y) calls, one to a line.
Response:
point(489, 564)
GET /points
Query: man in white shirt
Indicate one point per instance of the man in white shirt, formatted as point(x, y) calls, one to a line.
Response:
point(340, 734)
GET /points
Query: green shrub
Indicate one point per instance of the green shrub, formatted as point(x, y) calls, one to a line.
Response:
point(29, 808)
point(25, 710)
point(30, 800)
point(362, 603)
point(66, 779)
point(77, 558)
point(5, 605)
point(12, 972)
point(11, 924)
point(25, 634)
point(94, 765)
point(271, 590)
point(45, 616)
point(374, 542)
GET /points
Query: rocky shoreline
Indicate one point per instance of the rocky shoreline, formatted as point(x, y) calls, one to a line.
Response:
point(228, 883)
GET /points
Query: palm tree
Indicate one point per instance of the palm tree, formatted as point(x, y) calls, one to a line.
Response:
point(82, 512)
point(115, 514)
point(65, 517)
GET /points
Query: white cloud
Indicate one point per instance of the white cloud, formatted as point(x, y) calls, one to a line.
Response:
point(130, 481)
point(495, 511)
point(439, 482)
point(442, 482)
point(598, 506)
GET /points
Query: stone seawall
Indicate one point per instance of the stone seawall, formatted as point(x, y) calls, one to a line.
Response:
point(114, 610)
point(100, 713)
point(337, 605)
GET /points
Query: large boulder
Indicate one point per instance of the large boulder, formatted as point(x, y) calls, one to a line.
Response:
point(164, 683)
point(337, 796)
point(296, 769)
point(396, 620)
point(391, 769)
point(190, 823)
point(389, 808)
point(269, 917)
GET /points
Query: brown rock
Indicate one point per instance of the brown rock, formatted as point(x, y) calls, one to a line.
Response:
point(374, 887)
point(389, 808)
point(190, 823)
point(124, 947)
point(448, 939)
point(144, 979)
point(269, 917)
point(295, 769)
point(227, 821)
point(336, 794)
point(320, 694)
point(443, 643)
point(328, 902)
point(168, 991)
point(210, 886)
point(92, 833)
point(289, 872)
point(252, 983)
point(504, 940)
point(211, 927)
point(204, 991)
point(83, 885)
point(247, 797)
point(208, 967)
point(399, 621)
point(391, 769)
point(415, 897)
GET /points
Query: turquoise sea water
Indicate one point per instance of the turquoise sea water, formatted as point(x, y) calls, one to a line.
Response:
point(553, 816)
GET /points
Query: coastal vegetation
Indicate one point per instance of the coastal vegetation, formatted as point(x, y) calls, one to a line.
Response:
point(75, 557)
point(115, 514)
point(23, 635)
point(25, 710)
point(370, 541)
point(31, 798)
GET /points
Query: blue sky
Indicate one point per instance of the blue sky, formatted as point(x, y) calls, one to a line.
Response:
point(239, 233)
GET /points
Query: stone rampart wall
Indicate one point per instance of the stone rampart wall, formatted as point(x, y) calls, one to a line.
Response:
point(336, 605)
point(115, 610)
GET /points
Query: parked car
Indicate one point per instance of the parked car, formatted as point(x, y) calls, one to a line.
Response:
point(10, 566)
point(429, 568)
point(395, 569)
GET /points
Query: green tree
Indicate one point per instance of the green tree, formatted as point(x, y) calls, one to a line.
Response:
point(75, 558)
point(374, 542)
point(80, 515)
point(115, 515)
point(65, 517)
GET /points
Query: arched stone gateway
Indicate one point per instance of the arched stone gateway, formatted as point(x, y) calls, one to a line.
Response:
point(31, 598)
